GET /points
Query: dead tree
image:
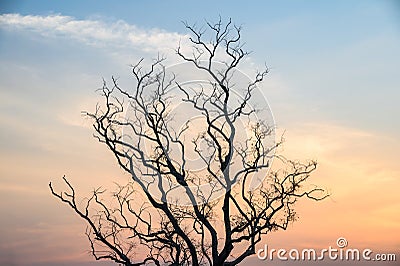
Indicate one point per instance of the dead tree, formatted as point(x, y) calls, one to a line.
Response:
point(135, 125)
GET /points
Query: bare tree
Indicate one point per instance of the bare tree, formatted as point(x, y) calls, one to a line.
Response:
point(217, 224)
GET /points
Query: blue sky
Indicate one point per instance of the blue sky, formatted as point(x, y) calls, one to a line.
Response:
point(334, 87)
point(340, 43)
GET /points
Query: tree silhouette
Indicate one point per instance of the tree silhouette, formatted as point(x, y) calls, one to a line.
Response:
point(201, 192)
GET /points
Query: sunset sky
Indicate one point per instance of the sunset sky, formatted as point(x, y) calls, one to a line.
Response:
point(334, 89)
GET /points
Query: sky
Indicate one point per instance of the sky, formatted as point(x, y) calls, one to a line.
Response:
point(333, 88)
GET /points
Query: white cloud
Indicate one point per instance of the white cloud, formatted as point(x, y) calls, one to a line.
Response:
point(95, 32)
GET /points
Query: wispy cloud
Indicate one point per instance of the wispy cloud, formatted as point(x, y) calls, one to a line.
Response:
point(94, 32)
